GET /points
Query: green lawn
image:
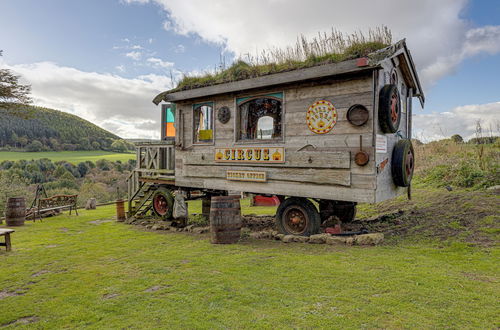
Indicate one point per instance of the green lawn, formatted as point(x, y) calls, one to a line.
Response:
point(68, 272)
point(69, 156)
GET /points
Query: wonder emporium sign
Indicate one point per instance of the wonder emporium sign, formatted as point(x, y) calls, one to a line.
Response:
point(267, 155)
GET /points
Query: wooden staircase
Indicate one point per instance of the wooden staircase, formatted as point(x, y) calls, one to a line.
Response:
point(155, 166)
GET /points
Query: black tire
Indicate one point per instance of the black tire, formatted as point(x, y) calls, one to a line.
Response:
point(166, 196)
point(308, 217)
point(403, 163)
point(389, 109)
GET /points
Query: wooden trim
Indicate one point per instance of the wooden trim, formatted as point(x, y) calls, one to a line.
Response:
point(315, 72)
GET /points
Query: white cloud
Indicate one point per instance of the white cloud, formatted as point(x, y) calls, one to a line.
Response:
point(122, 105)
point(120, 68)
point(438, 36)
point(159, 63)
point(134, 55)
point(479, 40)
point(180, 48)
point(136, 47)
point(461, 120)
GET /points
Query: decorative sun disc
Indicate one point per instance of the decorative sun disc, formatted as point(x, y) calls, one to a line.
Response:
point(321, 117)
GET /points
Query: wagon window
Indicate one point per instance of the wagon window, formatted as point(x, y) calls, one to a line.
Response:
point(203, 123)
point(260, 119)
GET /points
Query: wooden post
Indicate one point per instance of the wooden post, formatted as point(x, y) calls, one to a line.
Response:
point(8, 244)
point(408, 130)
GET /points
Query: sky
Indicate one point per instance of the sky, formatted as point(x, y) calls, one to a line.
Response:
point(105, 60)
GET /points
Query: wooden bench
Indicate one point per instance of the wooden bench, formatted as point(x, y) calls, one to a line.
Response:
point(6, 232)
point(57, 202)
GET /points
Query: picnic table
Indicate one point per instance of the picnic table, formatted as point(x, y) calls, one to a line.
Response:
point(6, 232)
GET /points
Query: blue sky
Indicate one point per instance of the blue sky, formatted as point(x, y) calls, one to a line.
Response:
point(105, 59)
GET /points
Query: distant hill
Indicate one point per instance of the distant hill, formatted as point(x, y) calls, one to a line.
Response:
point(32, 128)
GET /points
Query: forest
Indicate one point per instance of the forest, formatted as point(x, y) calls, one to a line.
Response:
point(32, 128)
point(103, 180)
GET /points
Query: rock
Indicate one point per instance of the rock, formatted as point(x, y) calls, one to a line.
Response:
point(449, 188)
point(91, 204)
point(201, 230)
point(349, 241)
point(318, 238)
point(266, 234)
point(274, 233)
point(245, 230)
point(255, 235)
point(149, 226)
point(279, 237)
point(156, 227)
point(189, 228)
point(336, 240)
point(369, 239)
point(301, 239)
point(493, 188)
point(288, 238)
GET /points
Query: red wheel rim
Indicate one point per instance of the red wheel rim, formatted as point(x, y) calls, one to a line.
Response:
point(394, 108)
point(160, 204)
point(409, 164)
point(295, 220)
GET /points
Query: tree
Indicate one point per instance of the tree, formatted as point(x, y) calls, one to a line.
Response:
point(457, 138)
point(11, 91)
point(35, 146)
point(119, 145)
point(83, 168)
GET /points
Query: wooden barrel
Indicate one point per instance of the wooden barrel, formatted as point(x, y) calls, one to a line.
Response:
point(225, 219)
point(15, 213)
point(205, 207)
point(120, 210)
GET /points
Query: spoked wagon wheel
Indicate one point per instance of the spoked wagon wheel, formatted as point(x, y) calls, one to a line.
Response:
point(163, 203)
point(297, 216)
point(403, 163)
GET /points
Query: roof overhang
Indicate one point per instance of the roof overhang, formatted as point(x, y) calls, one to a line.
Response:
point(397, 52)
point(312, 73)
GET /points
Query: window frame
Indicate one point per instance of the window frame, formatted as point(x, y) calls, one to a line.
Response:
point(193, 125)
point(237, 121)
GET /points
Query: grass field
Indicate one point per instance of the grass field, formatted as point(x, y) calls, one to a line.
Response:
point(69, 156)
point(73, 272)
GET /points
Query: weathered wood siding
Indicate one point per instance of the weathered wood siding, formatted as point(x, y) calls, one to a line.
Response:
point(317, 165)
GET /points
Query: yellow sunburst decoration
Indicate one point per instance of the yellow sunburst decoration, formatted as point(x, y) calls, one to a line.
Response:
point(321, 117)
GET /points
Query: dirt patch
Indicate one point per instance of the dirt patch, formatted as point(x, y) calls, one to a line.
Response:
point(156, 288)
point(110, 295)
point(5, 294)
point(436, 214)
point(98, 222)
point(22, 320)
point(64, 230)
point(480, 278)
point(40, 273)
point(51, 246)
point(258, 223)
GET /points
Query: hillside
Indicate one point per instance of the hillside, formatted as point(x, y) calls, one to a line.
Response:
point(34, 128)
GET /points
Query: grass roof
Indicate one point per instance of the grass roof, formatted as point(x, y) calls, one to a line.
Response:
point(323, 49)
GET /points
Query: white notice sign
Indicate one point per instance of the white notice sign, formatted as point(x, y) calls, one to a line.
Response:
point(381, 144)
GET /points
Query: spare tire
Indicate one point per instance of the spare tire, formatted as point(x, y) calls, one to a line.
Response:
point(389, 111)
point(403, 163)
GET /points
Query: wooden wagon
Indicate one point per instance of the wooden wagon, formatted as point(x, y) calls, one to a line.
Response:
point(337, 134)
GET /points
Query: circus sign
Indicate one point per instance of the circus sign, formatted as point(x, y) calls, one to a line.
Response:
point(321, 117)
